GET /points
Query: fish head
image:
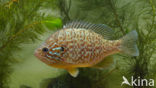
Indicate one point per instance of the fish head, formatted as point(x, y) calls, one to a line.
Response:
point(51, 53)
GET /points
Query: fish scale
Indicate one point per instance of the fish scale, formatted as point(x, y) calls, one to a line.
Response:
point(77, 45)
point(75, 42)
point(81, 44)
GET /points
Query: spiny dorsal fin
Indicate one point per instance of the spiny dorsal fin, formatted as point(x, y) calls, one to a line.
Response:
point(101, 29)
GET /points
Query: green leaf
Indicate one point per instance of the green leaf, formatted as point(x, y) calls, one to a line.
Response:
point(52, 23)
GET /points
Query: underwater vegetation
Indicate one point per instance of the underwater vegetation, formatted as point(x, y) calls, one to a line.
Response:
point(25, 24)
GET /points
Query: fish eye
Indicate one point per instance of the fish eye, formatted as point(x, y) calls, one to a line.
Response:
point(45, 49)
point(62, 49)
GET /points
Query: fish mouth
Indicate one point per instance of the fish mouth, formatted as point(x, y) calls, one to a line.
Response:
point(38, 53)
point(35, 54)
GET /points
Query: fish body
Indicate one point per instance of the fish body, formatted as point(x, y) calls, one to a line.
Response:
point(82, 45)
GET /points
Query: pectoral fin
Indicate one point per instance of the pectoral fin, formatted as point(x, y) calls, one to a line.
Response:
point(106, 62)
point(73, 71)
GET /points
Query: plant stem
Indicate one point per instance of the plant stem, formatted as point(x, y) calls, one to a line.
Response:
point(18, 33)
point(117, 18)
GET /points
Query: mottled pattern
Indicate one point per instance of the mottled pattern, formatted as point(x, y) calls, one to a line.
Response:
point(81, 46)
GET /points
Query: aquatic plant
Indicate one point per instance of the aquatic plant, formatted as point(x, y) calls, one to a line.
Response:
point(20, 22)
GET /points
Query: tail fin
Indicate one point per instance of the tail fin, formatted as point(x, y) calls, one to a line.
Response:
point(128, 44)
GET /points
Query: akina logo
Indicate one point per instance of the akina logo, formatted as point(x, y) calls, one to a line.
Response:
point(137, 82)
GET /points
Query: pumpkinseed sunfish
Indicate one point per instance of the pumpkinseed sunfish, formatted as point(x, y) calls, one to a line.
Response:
point(81, 44)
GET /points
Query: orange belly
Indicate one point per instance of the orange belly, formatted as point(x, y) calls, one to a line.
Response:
point(65, 66)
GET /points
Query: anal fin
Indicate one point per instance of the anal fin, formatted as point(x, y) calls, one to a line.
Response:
point(106, 62)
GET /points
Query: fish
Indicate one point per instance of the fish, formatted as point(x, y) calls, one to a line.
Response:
point(82, 44)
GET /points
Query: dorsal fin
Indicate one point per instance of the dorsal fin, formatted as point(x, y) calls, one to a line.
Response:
point(101, 29)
